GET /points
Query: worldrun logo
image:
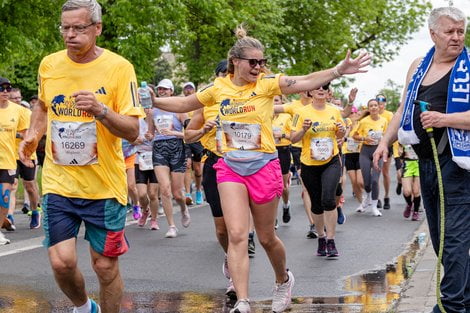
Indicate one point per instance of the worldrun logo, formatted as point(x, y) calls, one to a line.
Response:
point(65, 106)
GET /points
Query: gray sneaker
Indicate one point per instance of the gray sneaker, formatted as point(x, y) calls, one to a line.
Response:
point(282, 294)
point(172, 232)
point(185, 218)
point(242, 306)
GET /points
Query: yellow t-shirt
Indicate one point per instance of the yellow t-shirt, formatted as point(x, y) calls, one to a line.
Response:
point(27, 116)
point(281, 126)
point(83, 158)
point(388, 115)
point(367, 127)
point(208, 140)
point(292, 110)
point(350, 145)
point(12, 120)
point(319, 142)
point(245, 112)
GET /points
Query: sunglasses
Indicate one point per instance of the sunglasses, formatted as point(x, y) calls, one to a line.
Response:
point(324, 87)
point(381, 99)
point(253, 62)
point(5, 88)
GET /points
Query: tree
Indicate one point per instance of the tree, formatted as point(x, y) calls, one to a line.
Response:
point(392, 92)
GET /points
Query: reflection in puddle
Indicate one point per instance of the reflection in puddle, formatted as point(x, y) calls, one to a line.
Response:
point(370, 292)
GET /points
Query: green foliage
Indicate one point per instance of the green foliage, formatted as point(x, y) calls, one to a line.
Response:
point(300, 36)
point(392, 92)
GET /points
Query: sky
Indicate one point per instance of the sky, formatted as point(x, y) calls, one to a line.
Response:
point(370, 83)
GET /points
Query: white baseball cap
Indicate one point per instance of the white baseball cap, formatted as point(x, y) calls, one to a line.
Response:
point(189, 84)
point(166, 83)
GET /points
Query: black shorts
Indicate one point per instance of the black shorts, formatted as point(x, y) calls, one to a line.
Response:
point(27, 173)
point(209, 183)
point(7, 176)
point(144, 177)
point(169, 153)
point(283, 154)
point(41, 156)
point(352, 161)
point(398, 164)
point(194, 151)
point(296, 152)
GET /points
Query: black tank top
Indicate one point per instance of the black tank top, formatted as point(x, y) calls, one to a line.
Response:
point(436, 95)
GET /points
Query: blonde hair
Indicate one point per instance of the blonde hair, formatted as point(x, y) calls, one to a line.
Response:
point(244, 42)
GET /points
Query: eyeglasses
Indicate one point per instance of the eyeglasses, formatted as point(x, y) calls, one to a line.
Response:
point(381, 99)
point(78, 29)
point(253, 62)
point(5, 88)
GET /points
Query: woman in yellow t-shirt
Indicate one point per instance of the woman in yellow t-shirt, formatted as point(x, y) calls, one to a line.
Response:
point(249, 175)
point(369, 131)
point(318, 126)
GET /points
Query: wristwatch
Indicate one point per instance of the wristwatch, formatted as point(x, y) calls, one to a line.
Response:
point(103, 113)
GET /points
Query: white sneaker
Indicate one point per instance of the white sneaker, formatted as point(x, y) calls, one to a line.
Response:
point(185, 218)
point(3, 240)
point(375, 211)
point(360, 209)
point(172, 232)
point(282, 294)
point(225, 268)
point(242, 306)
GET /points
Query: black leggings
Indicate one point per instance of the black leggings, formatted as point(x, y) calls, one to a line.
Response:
point(321, 182)
point(369, 174)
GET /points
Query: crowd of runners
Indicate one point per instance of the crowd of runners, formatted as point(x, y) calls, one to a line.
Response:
point(235, 143)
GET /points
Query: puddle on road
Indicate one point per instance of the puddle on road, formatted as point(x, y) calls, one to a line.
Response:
point(370, 292)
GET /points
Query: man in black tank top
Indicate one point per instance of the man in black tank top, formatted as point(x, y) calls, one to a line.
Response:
point(447, 29)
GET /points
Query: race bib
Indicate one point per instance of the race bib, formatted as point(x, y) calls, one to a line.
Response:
point(352, 145)
point(242, 136)
point(164, 121)
point(277, 133)
point(410, 154)
point(375, 135)
point(321, 149)
point(145, 161)
point(74, 143)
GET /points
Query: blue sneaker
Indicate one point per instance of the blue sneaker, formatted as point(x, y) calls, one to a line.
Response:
point(35, 220)
point(341, 216)
point(95, 307)
point(199, 197)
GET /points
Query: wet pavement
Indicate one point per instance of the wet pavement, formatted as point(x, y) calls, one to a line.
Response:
point(369, 292)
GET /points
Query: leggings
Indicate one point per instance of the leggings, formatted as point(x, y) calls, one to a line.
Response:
point(369, 174)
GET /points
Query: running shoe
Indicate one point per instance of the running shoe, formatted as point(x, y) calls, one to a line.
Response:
point(25, 208)
point(407, 212)
point(242, 306)
point(143, 219)
point(415, 216)
point(282, 294)
point(286, 212)
point(9, 223)
point(341, 216)
point(172, 232)
point(185, 218)
point(276, 224)
point(331, 251)
point(225, 268)
point(312, 234)
point(386, 203)
point(379, 204)
point(398, 190)
point(230, 292)
point(95, 307)
point(321, 250)
point(160, 210)
point(136, 212)
point(189, 199)
point(199, 197)
point(3, 239)
point(35, 220)
point(375, 211)
point(154, 225)
point(251, 247)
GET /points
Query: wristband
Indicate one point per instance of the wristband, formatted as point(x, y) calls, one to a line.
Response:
point(103, 113)
point(336, 73)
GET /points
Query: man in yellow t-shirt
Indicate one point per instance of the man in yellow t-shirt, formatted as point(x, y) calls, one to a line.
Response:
point(88, 102)
point(386, 165)
point(11, 122)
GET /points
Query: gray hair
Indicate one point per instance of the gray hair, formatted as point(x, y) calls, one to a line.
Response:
point(238, 49)
point(92, 6)
point(450, 12)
